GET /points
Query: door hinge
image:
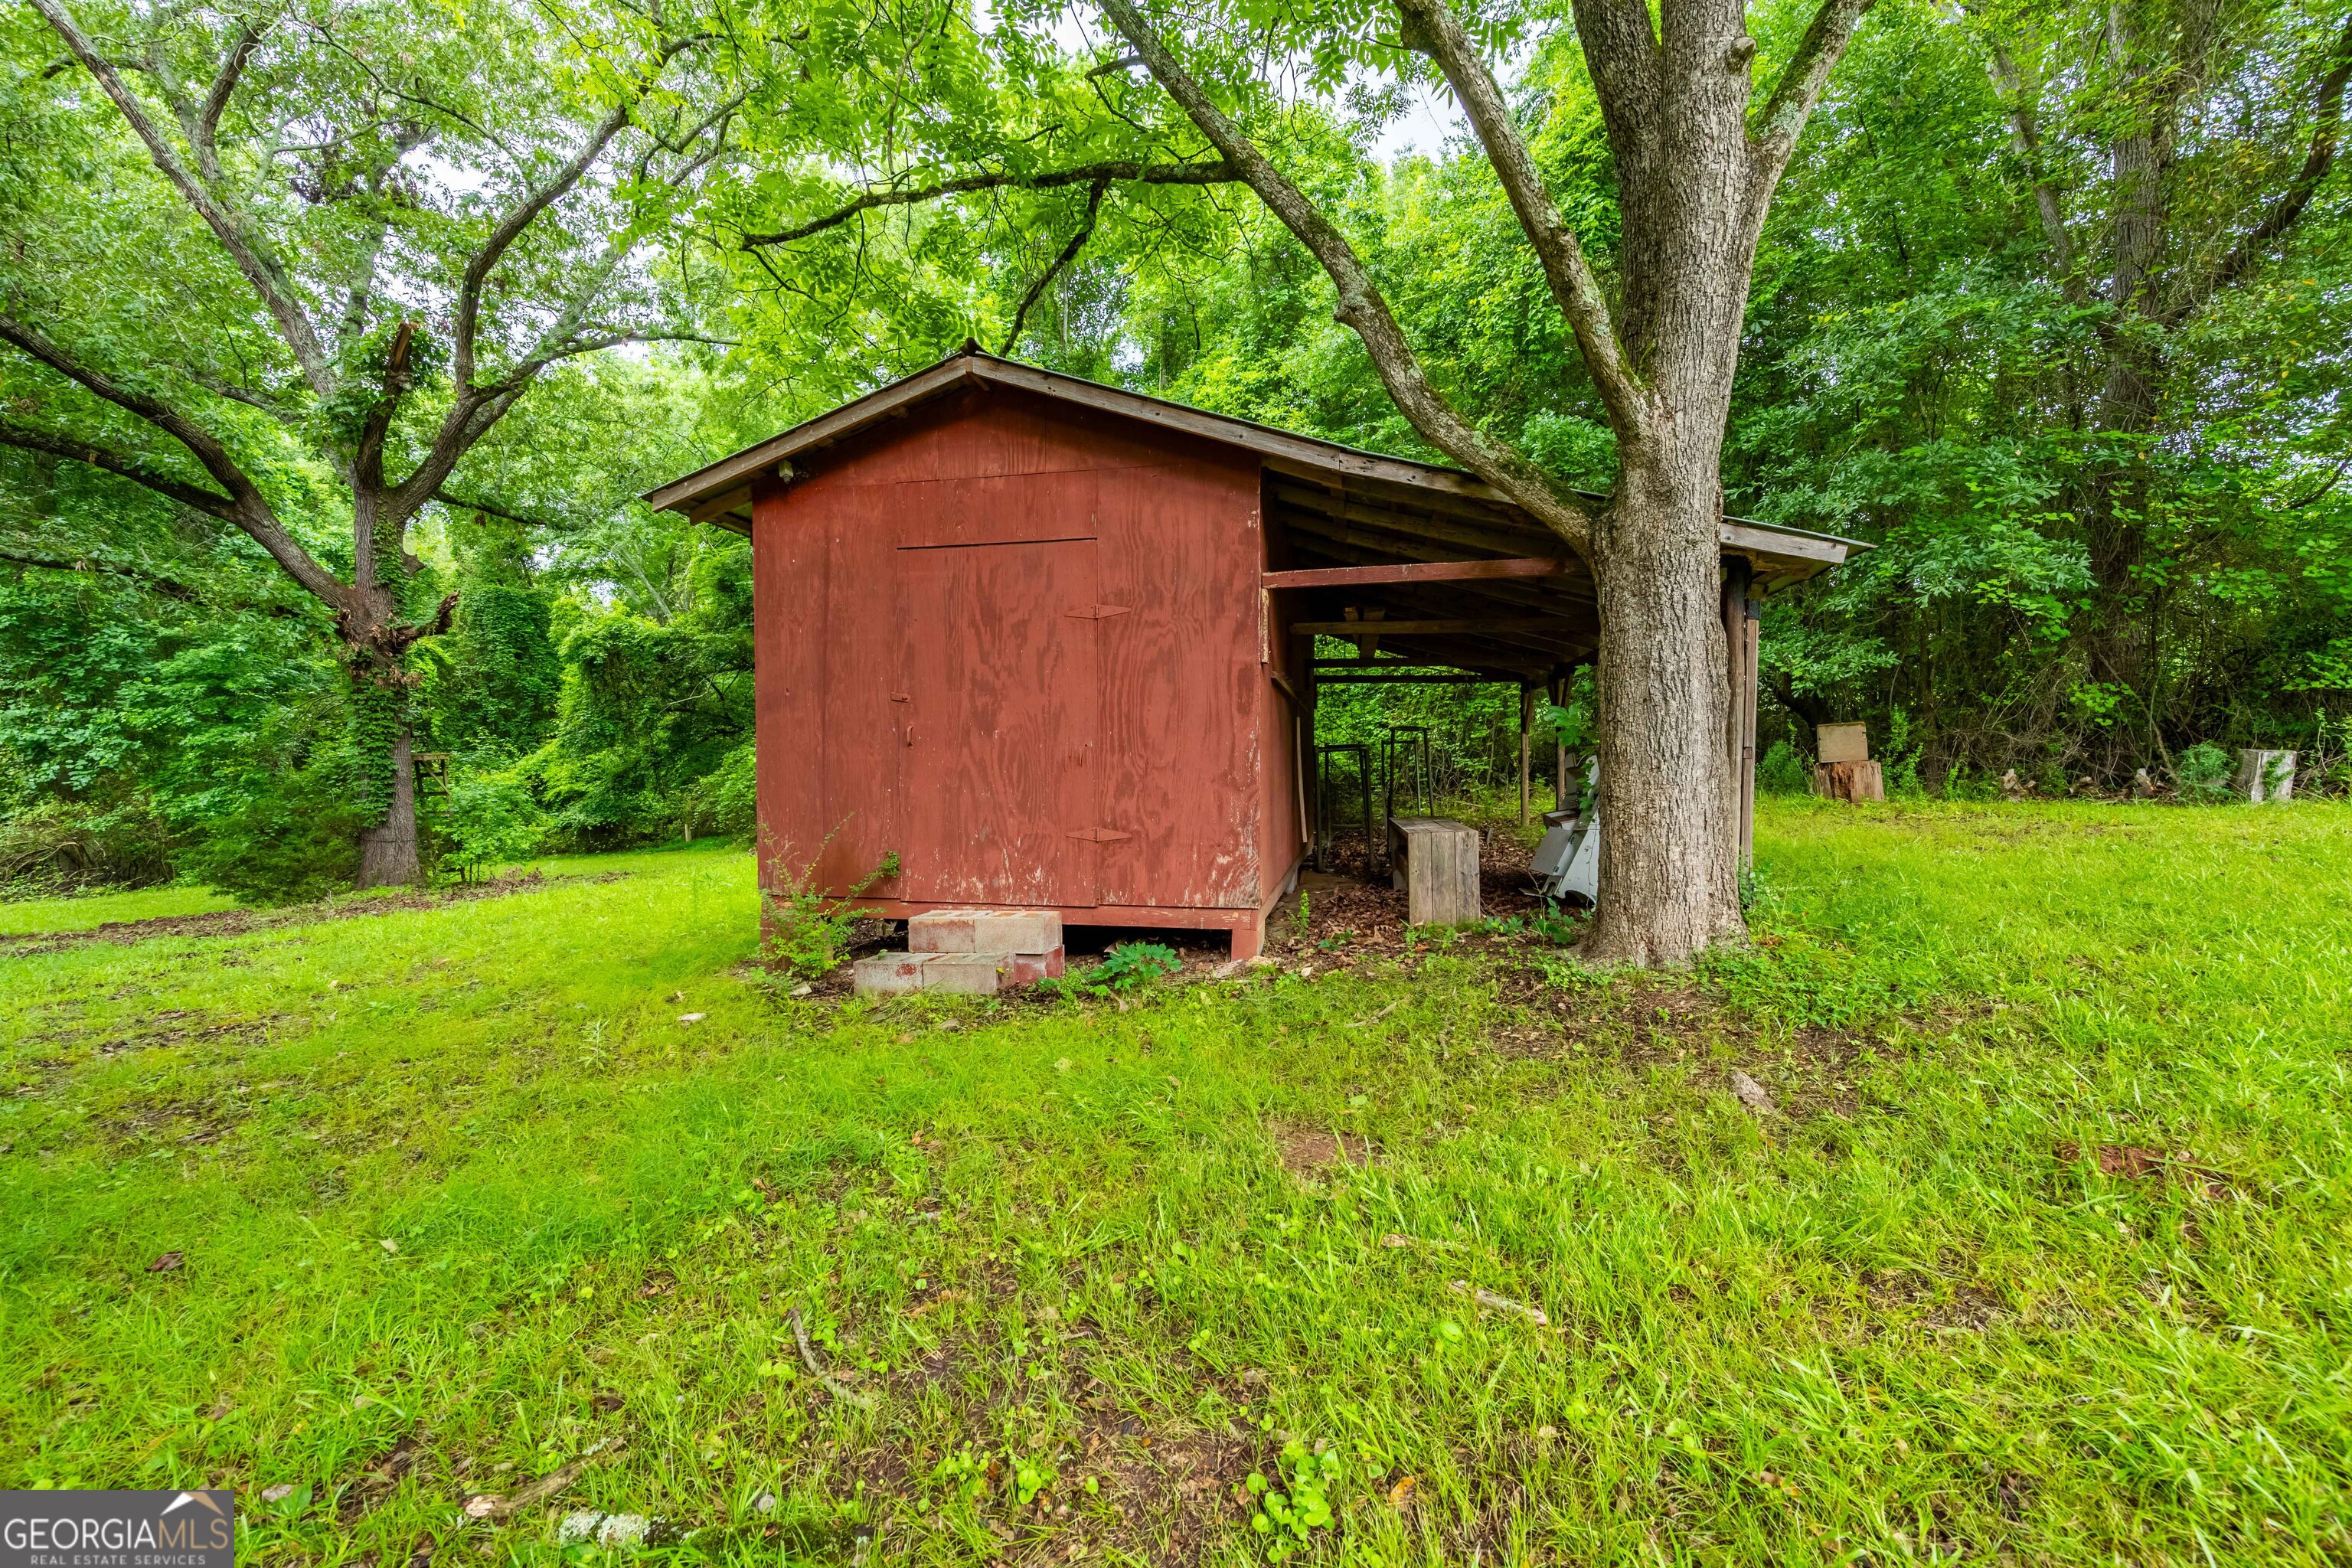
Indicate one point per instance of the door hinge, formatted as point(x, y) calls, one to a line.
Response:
point(1102, 835)
point(1097, 611)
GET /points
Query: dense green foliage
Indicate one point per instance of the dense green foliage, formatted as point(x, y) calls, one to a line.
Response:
point(460, 1184)
point(2067, 580)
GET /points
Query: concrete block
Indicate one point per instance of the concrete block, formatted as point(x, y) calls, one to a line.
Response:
point(985, 973)
point(965, 974)
point(1017, 931)
point(984, 931)
point(1028, 968)
point(890, 973)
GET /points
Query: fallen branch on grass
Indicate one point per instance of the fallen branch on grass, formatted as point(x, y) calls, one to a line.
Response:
point(492, 1509)
point(840, 1390)
point(1486, 1297)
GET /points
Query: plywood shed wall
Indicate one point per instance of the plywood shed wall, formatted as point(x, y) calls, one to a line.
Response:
point(1019, 645)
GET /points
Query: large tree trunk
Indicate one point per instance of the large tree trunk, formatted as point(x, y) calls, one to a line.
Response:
point(388, 849)
point(1668, 831)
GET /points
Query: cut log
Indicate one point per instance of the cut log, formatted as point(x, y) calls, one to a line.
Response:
point(1853, 781)
point(1435, 861)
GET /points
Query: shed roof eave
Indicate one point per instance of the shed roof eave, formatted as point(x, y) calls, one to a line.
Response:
point(1792, 553)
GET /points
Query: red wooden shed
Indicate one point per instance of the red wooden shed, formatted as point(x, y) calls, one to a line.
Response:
point(1051, 643)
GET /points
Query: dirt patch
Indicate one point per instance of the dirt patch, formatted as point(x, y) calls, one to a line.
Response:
point(1167, 1495)
point(1812, 1072)
point(377, 1479)
point(190, 1122)
point(1309, 1151)
point(241, 922)
point(1354, 909)
point(2131, 1163)
point(245, 1032)
point(1922, 1299)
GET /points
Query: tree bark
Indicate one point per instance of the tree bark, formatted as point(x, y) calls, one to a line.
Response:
point(388, 849)
point(1667, 807)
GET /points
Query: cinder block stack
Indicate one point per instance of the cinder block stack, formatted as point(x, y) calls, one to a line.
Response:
point(974, 953)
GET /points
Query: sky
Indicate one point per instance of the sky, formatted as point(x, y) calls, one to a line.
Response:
point(1424, 129)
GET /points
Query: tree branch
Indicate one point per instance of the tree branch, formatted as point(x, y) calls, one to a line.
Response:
point(2328, 111)
point(510, 227)
point(1432, 27)
point(1117, 171)
point(236, 233)
point(2025, 139)
point(1361, 305)
point(1802, 83)
point(489, 508)
point(170, 588)
point(210, 503)
point(248, 509)
point(225, 84)
point(1623, 57)
point(1069, 254)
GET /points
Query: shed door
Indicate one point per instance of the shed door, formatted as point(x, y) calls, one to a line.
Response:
point(996, 713)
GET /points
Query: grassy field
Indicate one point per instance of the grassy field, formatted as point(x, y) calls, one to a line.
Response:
point(2043, 1253)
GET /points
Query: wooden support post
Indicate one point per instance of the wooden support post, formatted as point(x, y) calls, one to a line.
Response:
point(1527, 729)
point(1310, 780)
point(1754, 621)
point(1738, 740)
point(1560, 785)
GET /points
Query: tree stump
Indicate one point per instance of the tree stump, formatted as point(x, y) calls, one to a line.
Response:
point(1850, 781)
point(1435, 861)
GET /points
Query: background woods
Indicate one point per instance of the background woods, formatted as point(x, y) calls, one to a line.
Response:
point(339, 337)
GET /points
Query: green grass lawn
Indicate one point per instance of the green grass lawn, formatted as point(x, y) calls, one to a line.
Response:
point(462, 1206)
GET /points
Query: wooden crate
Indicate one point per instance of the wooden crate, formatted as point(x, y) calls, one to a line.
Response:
point(1435, 861)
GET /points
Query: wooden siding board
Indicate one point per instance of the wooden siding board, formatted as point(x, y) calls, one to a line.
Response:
point(1179, 671)
point(859, 821)
point(997, 769)
point(789, 577)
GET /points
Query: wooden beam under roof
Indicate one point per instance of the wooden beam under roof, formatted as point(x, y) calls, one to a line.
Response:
point(1563, 593)
point(718, 505)
point(1342, 678)
point(1427, 628)
point(1500, 535)
point(1488, 651)
point(1413, 571)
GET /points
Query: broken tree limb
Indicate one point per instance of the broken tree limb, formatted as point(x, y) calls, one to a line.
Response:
point(492, 1509)
point(1486, 1297)
point(839, 1389)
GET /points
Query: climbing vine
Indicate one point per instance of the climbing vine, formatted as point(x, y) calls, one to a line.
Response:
point(379, 708)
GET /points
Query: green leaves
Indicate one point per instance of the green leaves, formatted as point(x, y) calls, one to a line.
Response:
point(1296, 1502)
